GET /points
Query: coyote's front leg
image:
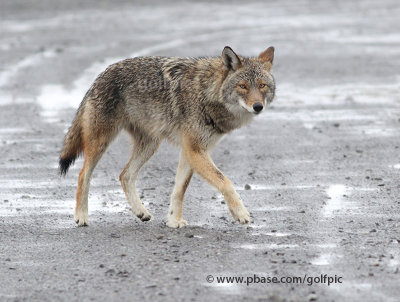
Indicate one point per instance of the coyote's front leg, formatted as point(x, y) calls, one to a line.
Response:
point(182, 179)
point(200, 160)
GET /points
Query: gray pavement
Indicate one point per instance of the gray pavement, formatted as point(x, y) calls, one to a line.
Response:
point(319, 171)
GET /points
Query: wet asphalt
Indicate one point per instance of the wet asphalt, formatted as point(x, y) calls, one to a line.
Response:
point(318, 171)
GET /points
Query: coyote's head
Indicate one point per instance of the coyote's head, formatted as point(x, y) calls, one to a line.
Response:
point(249, 84)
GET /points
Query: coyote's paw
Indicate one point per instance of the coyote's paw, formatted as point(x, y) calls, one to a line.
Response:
point(174, 223)
point(81, 218)
point(241, 214)
point(142, 213)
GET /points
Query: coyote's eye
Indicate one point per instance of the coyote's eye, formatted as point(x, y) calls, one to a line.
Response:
point(242, 86)
point(262, 85)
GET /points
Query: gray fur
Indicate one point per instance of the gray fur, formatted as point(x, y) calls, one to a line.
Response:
point(156, 98)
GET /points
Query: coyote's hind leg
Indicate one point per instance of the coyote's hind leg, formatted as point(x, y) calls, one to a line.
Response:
point(93, 150)
point(143, 149)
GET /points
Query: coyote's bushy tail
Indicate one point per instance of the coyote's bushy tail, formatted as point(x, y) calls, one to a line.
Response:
point(73, 144)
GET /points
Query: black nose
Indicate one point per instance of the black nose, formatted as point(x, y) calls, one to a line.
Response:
point(258, 107)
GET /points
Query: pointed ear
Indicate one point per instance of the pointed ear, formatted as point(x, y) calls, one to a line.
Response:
point(267, 56)
point(230, 59)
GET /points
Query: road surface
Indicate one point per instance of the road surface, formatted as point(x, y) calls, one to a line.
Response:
point(319, 170)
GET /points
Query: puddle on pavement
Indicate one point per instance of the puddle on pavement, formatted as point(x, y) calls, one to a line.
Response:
point(323, 259)
point(339, 200)
point(272, 234)
point(259, 187)
point(336, 199)
point(326, 245)
point(250, 246)
point(272, 209)
point(21, 205)
point(226, 288)
point(29, 61)
point(374, 130)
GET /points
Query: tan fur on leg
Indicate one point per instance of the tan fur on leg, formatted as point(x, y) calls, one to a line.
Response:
point(182, 180)
point(200, 160)
point(93, 154)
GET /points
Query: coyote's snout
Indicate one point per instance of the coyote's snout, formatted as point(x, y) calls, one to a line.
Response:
point(191, 102)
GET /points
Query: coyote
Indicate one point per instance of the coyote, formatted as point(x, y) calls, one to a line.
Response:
point(191, 102)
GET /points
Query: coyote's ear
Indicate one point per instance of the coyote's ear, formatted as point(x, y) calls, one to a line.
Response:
point(230, 59)
point(267, 56)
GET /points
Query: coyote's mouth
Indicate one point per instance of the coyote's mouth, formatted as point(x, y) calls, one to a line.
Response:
point(244, 106)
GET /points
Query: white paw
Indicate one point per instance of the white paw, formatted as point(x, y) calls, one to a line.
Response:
point(81, 218)
point(241, 214)
point(142, 213)
point(174, 223)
